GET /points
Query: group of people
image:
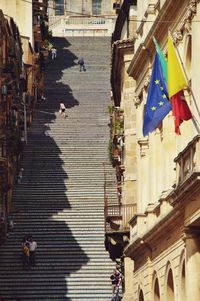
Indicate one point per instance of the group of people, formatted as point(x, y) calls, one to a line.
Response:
point(29, 247)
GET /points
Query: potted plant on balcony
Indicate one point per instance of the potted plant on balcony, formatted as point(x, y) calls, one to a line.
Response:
point(111, 110)
point(119, 128)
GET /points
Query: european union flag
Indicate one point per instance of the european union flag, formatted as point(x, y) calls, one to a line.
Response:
point(158, 105)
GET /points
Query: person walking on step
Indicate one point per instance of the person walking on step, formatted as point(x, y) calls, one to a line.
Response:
point(53, 53)
point(32, 248)
point(25, 253)
point(116, 280)
point(81, 64)
point(62, 110)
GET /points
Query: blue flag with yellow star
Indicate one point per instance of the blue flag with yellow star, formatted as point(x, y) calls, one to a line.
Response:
point(157, 105)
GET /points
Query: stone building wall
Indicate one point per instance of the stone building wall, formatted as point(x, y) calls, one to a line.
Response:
point(164, 233)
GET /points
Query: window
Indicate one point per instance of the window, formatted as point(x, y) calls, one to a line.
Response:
point(97, 7)
point(141, 296)
point(59, 7)
point(156, 291)
point(170, 287)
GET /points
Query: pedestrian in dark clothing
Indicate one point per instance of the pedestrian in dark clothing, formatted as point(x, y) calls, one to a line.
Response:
point(115, 280)
point(81, 64)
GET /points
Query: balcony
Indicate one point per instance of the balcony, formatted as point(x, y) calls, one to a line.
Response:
point(117, 217)
point(187, 171)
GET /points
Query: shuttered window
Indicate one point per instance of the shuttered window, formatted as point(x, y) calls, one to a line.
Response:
point(97, 7)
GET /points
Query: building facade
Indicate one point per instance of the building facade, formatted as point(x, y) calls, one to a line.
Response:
point(84, 7)
point(23, 38)
point(163, 252)
point(83, 18)
point(122, 136)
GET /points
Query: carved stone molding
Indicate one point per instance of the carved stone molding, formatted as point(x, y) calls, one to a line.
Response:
point(147, 81)
point(177, 36)
point(151, 10)
point(185, 24)
point(139, 31)
point(191, 11)
point(190, 233)
point(137, 100)
point(188, 26)
point(144, 146)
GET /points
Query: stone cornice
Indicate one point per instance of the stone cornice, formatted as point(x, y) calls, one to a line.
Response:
point(124, 43)
point(155, 235)
point(144, 146)
point(169, 13)
point(120, 48)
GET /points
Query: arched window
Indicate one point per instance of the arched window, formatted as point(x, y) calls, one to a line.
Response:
point(141, 296)
point(156, 291)
point(170, 296)
point(182, 286)
point(96, 7)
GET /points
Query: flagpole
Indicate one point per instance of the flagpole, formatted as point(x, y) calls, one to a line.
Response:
point(195, 124)
point(186, 77)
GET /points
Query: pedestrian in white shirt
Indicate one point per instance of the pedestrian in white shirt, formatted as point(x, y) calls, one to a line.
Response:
point(32, 248)
point(62, 110)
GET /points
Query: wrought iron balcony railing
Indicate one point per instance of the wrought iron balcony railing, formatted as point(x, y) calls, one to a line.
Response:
point(117, 217)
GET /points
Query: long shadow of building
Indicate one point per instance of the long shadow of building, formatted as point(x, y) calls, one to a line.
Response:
point(60, 199)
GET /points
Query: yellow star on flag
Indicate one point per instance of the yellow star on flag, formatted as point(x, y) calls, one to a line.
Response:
point(157, 82)
point(161, 88)
point(161, 103)
point(164, 96)
point(153, 108)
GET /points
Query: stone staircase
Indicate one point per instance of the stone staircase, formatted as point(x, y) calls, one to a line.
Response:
point(60, 200)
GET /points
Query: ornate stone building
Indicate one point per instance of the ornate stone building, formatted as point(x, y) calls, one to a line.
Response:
point(23, 31)
point(122, 139)
point(83, 18)
point(163, 253)
point(83, 7)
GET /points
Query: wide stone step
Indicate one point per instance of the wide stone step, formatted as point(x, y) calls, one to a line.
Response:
point(61, 198)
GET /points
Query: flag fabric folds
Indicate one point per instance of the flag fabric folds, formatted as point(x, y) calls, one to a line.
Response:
point(163, 60)
point(158, 105)
point(180, 110)
point(176, 78)
point(176, 83)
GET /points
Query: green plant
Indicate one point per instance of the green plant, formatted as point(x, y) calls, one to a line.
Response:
point(119, 127)
point(110, 109)
point(119, 110)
